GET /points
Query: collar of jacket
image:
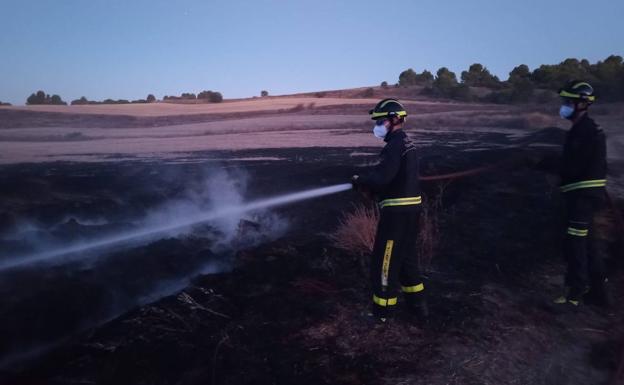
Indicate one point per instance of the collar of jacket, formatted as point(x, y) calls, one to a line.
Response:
point(584, 123)
point(398, 133)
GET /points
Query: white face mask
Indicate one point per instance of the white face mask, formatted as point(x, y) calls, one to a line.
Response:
point(566, 111)
point(380, 131)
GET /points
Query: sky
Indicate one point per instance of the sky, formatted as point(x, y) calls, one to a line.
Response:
point(128, 49)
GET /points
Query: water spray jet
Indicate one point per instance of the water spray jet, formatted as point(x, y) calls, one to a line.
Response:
point(199, 218)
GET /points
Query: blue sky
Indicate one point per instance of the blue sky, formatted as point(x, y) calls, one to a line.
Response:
point(127, 49)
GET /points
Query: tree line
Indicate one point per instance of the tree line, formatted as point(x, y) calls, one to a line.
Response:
point(207, 96)
point(522, 85)
point(40, 97)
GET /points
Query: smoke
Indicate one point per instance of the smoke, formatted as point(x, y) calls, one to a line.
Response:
point(207, 207)
point(217, 190)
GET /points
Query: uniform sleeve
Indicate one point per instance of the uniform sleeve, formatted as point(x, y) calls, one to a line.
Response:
point(597, 160)
point(384, 172)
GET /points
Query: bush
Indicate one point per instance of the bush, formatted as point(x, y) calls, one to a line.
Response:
point(461, 92)
point(264, 93)
point(150, 98)
point(4, 104)
point(320, 94)
point(522, 91)
point(368, 93)
point(384, 84)
point(546, 97)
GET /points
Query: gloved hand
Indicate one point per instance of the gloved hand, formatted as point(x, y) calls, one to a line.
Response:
point(359, 187)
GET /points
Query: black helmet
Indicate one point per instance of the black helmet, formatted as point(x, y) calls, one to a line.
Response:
point(388, 108)
point(578, 90)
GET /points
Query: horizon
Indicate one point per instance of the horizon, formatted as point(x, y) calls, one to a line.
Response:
point(114, 50)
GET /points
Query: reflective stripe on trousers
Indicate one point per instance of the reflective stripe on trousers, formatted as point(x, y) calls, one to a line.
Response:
point(584, 184)
point(401, 202)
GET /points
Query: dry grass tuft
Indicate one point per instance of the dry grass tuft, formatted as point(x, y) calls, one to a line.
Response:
point(355, 233)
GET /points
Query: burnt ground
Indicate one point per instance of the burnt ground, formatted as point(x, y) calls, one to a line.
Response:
point(290, 310)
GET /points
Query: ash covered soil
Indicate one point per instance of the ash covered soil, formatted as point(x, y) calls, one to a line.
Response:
point(290, 309)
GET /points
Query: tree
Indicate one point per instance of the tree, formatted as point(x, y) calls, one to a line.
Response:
point(41, 97)
point(384, 84)
point(36, 98)
point(56, 100)
point(77, 102)
point(216, 97)
point(519, 73)
point(479, 76)
point(554, 76)
point(211, 96)
point(426, 77)
point(609, 78)
point(264, 93)
point(445, 81)
point(150, 98)
point(408, 78)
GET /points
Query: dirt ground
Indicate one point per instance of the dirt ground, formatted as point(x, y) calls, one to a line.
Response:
point(290, 309)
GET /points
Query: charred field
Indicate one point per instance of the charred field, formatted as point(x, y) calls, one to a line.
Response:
point(269, 300)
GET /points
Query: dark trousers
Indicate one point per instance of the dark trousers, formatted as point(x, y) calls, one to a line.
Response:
point(585, 267)
point(394, 264)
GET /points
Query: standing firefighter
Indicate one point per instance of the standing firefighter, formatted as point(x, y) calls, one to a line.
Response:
point(394, 180)
point(583, 181)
